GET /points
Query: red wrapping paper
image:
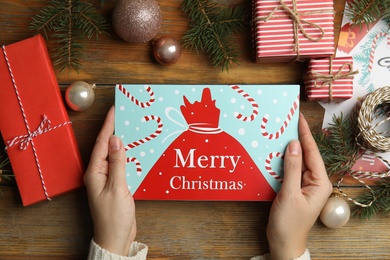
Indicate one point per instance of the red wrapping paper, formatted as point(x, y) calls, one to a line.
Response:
point(51, 164)
point(319, 83)
point(274, 39)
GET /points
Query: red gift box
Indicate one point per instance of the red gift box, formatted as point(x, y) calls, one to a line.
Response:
point(330, 79)
point(34, 123)
point(293, 29)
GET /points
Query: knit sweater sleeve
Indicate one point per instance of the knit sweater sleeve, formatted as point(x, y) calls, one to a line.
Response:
point(138, 251)
point(305, 256)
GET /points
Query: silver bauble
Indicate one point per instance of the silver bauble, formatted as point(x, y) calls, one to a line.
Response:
point(166, 50)
point(79, 95)
point(335, 213)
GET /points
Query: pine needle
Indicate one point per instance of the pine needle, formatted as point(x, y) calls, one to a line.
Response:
point(68, 21)
point(380, 198)
point(337, 146)
point(367, 11)
point(211, 30)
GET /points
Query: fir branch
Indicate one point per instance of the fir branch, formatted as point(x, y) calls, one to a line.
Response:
point(337, 146)
point(4, 174)
point(367, 11)
point(211, 29)
point(68, 21)
point(380, 198)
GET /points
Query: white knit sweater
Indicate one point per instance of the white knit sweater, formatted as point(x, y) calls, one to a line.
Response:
point(138, 251)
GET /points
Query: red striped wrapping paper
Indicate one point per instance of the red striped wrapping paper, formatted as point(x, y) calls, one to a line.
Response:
point(274, 38)
point(339, 89)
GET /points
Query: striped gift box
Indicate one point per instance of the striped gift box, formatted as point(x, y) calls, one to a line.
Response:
point(275, 38)
point(330, 79)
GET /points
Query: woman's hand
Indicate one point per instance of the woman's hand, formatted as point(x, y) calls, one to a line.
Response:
point(111, 203)
point(305, 189)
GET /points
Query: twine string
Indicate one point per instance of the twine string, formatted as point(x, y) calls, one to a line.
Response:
point(368, 139)
point(298, 22)
point(24, 140)
point(363, 205)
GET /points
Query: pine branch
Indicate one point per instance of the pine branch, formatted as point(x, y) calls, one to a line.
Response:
point(367, 11)
point(4, 174)
point(67, 21)
point(211, 29)
point(380, 198)
point(337, 146)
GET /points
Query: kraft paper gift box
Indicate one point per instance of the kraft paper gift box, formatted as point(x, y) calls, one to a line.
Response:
point(330, 79)
point(206, 142)
point(34, 124)
point(293, 29)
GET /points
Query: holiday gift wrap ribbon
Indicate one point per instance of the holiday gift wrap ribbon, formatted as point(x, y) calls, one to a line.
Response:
point(299, 24)
point(25, 140)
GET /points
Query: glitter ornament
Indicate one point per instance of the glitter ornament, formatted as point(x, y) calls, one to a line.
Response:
point(80, 95)
point(136, 21)
point(335, 212)
point(167, 50)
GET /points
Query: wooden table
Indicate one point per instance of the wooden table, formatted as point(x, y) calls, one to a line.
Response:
point(62, 229)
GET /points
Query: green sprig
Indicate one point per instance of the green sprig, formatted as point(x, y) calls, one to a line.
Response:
point(337, 146)
point(367, 11)
point(211, 30)
point(68, 21)
point(4, 173)
point(380, 198)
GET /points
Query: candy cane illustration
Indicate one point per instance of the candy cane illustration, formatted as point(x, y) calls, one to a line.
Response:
point(373, 47)
point(283, 127)
point(144, 140)
point(151, 136)
point(136, 101)
point(137, 164)
point(269, 168)
point(255, 106)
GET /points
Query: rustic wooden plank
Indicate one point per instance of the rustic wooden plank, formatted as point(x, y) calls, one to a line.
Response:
point(208, 230)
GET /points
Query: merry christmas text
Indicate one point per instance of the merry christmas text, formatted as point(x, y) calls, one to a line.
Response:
point(181, 182)
point(193, 160)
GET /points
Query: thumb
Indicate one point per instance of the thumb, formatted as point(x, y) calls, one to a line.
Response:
point(116, 162)
point(293, 166)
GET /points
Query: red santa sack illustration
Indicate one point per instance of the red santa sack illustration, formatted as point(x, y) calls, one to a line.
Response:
point(204, 163)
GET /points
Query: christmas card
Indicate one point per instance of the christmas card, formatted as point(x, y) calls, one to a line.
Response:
point(206, 142)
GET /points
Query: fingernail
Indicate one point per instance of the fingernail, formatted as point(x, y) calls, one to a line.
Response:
point(114, 143)
point(294, 147)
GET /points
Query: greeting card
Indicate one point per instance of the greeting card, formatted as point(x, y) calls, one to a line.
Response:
point(206, 142)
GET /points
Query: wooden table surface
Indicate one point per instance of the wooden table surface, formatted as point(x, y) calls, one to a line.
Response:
point(62, 228)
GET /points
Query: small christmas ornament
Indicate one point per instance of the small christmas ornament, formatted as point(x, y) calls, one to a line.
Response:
point(167, 50)
point(336, 211)
point(80, 95)
point(136, 21)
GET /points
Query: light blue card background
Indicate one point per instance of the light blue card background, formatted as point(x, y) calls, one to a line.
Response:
point(274, 100)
